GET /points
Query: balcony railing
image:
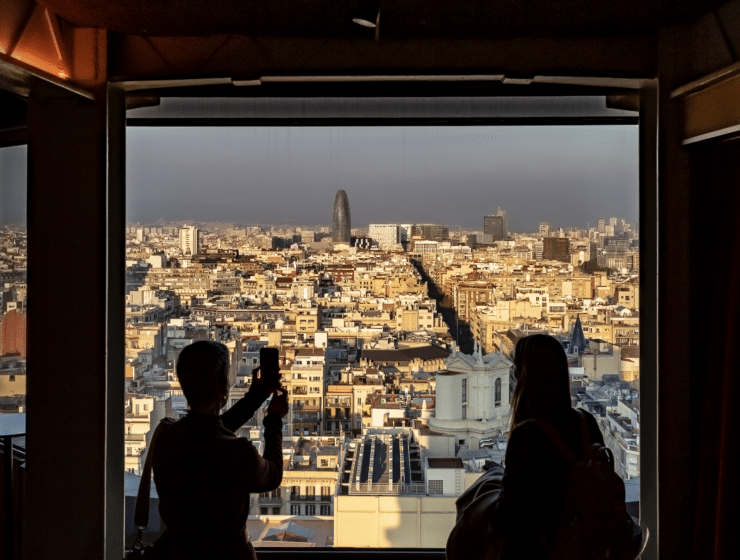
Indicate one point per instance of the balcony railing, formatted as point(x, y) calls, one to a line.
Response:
point(298, 405)
point(388, 489)
point(316, 498)
point(267, 500)
point(306, 419)
point(308, 367)
point(329, 416)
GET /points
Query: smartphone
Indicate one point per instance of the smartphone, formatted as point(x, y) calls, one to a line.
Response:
point(269, 368)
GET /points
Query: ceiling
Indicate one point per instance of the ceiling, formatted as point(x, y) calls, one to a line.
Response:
point(400, 19)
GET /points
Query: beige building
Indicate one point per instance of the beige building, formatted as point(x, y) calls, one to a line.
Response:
point(374, 521)
point(137, 424)
point(627, 295)
point(579, 287)
point(303, 378)
point(144, 342)
point(339, 409)
point(12, 377)
point(306, 320)
point(310, 480)
point(417, 318)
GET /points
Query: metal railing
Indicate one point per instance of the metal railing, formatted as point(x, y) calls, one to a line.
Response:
point(301, 406)
point(387, 488)
point(314, 498)
point(269, 500)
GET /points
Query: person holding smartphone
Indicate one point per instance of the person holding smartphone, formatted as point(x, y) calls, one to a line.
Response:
point(203, 472)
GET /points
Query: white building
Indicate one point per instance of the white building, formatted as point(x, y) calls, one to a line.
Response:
point(425, 247)
point(472, 397)
point(189, 240)
point(385, 235)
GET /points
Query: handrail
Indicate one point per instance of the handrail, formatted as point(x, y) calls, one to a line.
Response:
point(389, 489)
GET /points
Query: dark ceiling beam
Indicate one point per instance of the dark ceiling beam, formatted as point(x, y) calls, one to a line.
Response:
point(135, 58)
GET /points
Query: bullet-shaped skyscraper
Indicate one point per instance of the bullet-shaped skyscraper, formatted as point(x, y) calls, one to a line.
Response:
point(340, 220)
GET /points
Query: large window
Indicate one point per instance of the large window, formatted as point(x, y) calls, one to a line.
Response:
point(460, 238)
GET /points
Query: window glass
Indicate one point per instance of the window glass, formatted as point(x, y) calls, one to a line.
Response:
point(13, 287)
point(395, 268)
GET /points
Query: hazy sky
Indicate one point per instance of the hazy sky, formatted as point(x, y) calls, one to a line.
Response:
point(568, 176)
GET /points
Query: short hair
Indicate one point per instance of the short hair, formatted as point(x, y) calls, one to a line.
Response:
point(200, 367)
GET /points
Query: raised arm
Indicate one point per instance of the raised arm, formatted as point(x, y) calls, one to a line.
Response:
point(244, 409)
point(269, 471)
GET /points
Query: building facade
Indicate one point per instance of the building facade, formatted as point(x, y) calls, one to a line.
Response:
point(472, 397)
point(494, 226)
point(385, 235)
point(556, 249)
point(189, 240)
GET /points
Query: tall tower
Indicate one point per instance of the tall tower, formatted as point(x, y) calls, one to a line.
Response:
point(502, 213)
point(494, 225)
point(189, 240)
point(340, 219)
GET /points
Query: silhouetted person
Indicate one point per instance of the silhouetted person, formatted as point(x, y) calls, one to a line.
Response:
point(527, 497)
point(203, 472)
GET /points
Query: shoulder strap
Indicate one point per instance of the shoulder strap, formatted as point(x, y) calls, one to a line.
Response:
point(585, 432)
point(141, 515)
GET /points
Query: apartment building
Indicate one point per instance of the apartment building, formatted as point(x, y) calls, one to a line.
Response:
point(144, 342)
point(467, 296)
point(303, 378)
point(138, 411)
point(339, 410)
point(310, 480)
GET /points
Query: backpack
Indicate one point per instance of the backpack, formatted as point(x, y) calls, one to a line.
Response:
point(595, 524)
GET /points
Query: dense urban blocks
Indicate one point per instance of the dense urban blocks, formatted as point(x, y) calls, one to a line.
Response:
point(340, 221)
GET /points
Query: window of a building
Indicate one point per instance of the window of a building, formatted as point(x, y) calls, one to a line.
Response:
point(295, 510)
point(310, 510)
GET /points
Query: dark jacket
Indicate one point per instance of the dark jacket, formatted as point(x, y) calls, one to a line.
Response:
point(204, 475)
point(508, 512)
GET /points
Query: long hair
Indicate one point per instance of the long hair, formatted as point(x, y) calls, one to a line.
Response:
point(542, 384)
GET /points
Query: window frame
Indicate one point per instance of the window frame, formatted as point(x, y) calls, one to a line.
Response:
point(648, 212)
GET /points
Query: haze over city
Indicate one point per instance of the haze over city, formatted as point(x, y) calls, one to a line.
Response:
point(569, 176)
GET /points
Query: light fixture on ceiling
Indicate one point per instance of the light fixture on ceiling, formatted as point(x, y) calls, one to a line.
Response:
point(367, 14)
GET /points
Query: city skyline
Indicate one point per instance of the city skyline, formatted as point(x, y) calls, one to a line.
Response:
point(569, 176)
